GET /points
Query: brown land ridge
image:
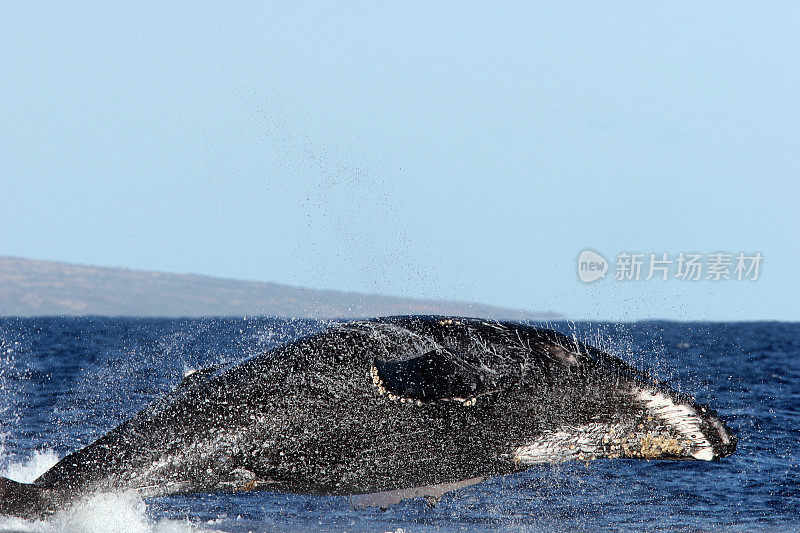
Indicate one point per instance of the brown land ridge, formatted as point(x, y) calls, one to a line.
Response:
point(31, 287)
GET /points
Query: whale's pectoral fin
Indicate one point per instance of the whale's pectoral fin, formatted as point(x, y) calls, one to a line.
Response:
point(431, 493)
point(428, 377)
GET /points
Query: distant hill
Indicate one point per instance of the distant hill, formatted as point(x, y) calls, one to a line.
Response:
point(47, 288)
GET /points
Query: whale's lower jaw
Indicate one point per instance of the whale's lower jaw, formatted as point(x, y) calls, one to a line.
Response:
point(665, 427)
point(610, 441)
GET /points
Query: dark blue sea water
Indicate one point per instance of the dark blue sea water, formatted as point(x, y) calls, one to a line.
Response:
point(64, 382)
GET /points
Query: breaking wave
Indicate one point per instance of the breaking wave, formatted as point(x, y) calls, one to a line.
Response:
point(125, 512)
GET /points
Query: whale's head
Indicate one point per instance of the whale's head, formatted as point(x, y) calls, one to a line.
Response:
point(541, 397)
point(604, 407)
point(648, 421)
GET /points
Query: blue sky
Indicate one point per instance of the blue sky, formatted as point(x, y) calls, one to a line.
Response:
point(450, 150)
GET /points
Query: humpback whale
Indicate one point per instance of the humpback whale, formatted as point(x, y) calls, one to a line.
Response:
point(385, 409)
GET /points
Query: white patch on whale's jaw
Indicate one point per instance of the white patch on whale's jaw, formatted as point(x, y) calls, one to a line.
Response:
point(542, 451)
point(683, 418)
point(583, 442)
point(704, 454)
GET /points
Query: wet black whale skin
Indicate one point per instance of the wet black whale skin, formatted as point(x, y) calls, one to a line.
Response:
point(361, 407)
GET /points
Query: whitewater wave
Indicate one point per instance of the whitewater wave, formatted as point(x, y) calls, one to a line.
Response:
point(124, 512)
point(27, 470)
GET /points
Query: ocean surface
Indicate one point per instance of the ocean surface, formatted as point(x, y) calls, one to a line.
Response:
point(64, 382)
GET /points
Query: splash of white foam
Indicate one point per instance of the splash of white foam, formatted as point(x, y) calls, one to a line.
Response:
point(120, 512)
point(27, 470)
point(124, 512)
